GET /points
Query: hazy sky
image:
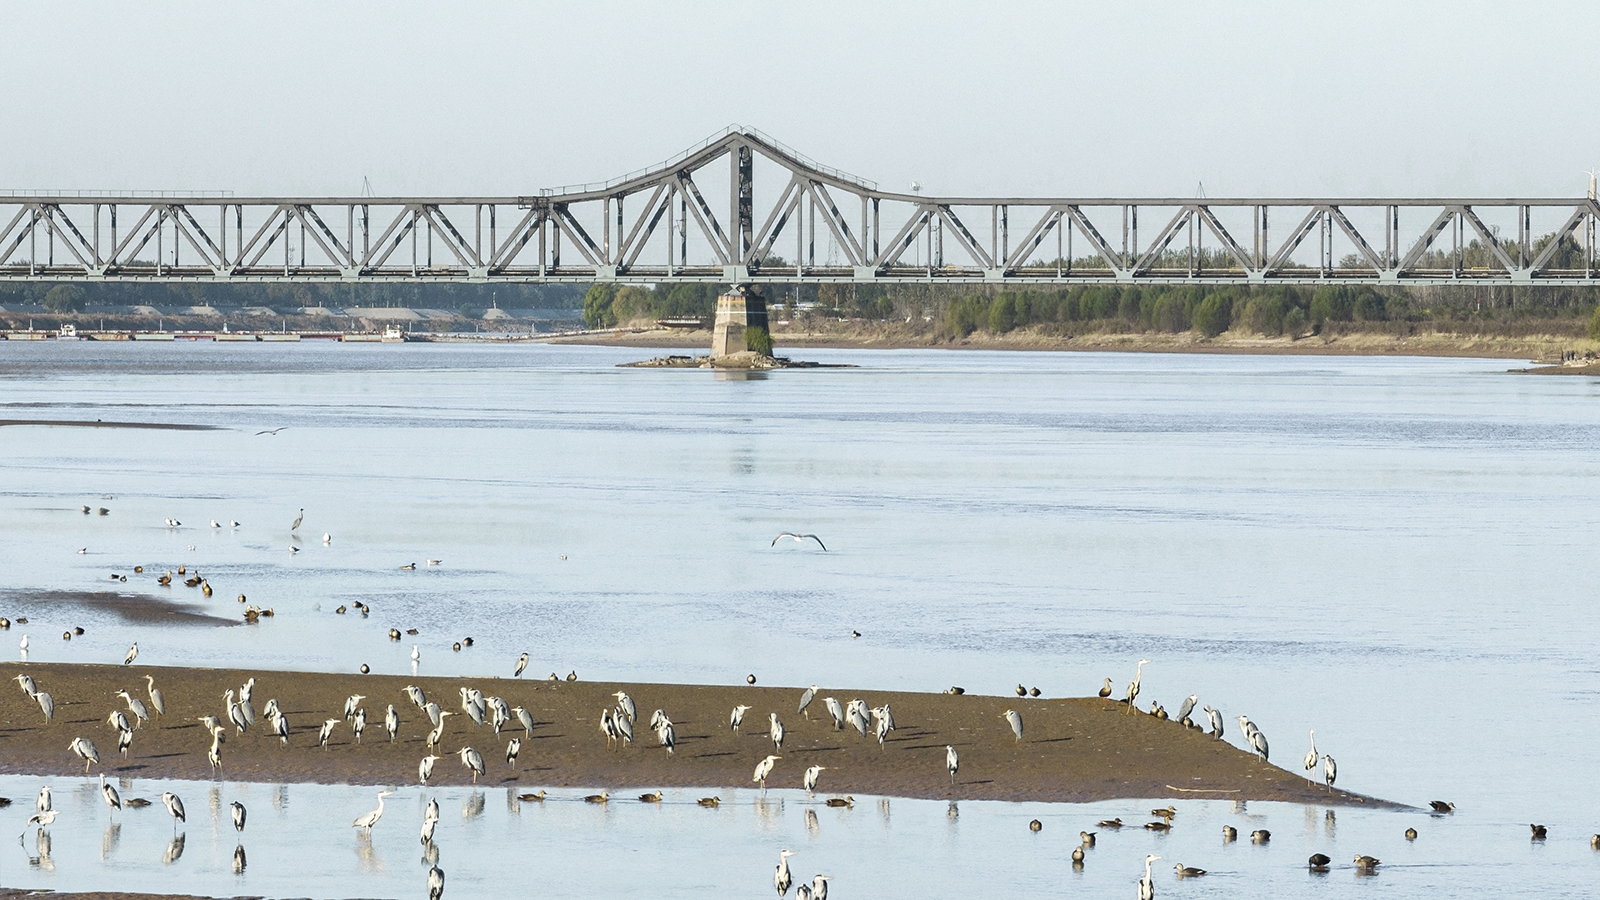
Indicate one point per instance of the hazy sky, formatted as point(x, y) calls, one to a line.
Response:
point(1075, 99)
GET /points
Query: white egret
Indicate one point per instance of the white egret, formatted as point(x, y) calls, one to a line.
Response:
point(238, 815)
point(109, 793)
point(391, 722)
point(775, 730)
point(1014, 719)
point(85, 750)
point(806, 697)
point(781, 878)
point(473, 760)
point(133, 654)
point(425, 768)
point(952, 761)
point(512, 749)
point(522, 663)
point(371, 818)
point(737, 718)
point(763, 769)
point(811, 778)
point(174, 809)
point(156, 700)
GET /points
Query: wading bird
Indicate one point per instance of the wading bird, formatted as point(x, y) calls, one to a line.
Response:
point(1133, 686)
point(522, 663)
point(524, 719)
point(1014, 719)
point(806, 697)
point(326, 732)
point(174, 809)
point(297, 520)
point(669, 738)
point(350, 705)
point(775, 731)
point(371, 818)
point(28, 687)
point(835, 712)
point(133, 654)
point(473, 760)
point(1187, 707)
point(799, 539)
point(84, 749)
point(391, 722)
point(1147, 887)
point(238, 815)
point(512, 749)
point(781, 879)
point(1216, 721)
point(156, 700)
point(819, 887)
point(737, 718)
point(625, 703)
point(952, 761)
point(1330, 772)
point(109, 794)
point(42, 802)
point(435, 883)
point(47, 705)
point(359, 724)
point(425, 768)
point(811, 778)
point(763, 769)
point(1311, 755)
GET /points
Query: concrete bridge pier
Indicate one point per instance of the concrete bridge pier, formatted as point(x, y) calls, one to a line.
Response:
point(741, 308)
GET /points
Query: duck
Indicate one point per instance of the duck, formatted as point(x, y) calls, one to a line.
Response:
point(602, 797)
point(650, 798)
point(1229, 834)
point(1162, 825)
point(1077, 857)
point(1367, 862)
point(1167, 813)
point(1088, 838)
point(842, 801)
point(1538, 832)
point(1440, 806)
point(1411, 834)
point(1110, 823)
point(1319, 862)
point(712, 802)
point(1035, 825)
point(1188, 871)
point(1260, 836)
point(531, 798)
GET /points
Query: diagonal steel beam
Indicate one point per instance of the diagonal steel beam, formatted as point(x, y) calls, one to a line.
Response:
point(519, 236)
point(905, 237)
point(1286, 250)
point(1440, 223)
point(1162, 240)
point(1488, 238)
point(965, 238)
point(1035, 236)
point(836, 222)
point(706, 219)
point(1543, 259)
point(1209, 219)
point(1092, 235)
point(1337, 215)
point(644, 226)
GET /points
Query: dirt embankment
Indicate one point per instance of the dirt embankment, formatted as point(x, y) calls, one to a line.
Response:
point(1075, 749)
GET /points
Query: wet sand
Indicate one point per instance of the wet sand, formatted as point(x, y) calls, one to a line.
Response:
point(85, 423)
point(140, 608)
point(1075, 750)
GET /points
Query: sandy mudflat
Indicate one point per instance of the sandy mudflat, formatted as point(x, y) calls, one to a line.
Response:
point(1078, 749)
point(85, 423)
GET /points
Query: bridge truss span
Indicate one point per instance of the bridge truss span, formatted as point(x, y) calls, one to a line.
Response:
point(743, 208)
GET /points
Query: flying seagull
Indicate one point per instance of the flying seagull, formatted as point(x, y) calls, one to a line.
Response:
point(800, 539)
point(271, 430)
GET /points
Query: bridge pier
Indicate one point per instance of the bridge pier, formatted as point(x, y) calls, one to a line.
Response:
point(740, 309)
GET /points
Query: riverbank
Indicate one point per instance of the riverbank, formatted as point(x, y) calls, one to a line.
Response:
point(1074, 749)
point(891, 337)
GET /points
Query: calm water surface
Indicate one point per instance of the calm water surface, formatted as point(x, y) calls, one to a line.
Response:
point(1396, 553)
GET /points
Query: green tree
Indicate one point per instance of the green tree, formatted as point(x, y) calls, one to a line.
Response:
point(1294, 322)
point(1003, 314)
point(1594, 325)
point(64, 298)
point(1368, 306)
point(1263, 314)
point(1214, 314)
point(597, 306)
point(758, 339)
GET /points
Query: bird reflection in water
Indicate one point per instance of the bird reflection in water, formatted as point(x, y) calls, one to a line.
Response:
point(513, 806)
point(811, 821)
point(238, 860)
point(174, 850)
point(768, 810)
point(108, 840)
point(473, 808)
point(883, 810)
point(371, 862)
point(430, 854)
point(280, 797)
point(216, 802)
point(953, 811)
point(1329, 824)
point(43, 860)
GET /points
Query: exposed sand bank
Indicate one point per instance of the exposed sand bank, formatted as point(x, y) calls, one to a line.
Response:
point(1075, 750)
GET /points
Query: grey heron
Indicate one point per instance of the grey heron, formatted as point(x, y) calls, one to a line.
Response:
point(214, 754)
point(522, 663)
point(775, 730)
point(1147, 887)
point(1216, 721)
point(435, 883)
point(625, 703)
point(238, 811)
point(28, 687)
point(1187, 707)
point(417, 697)
point(42, 803)
point(806, 697)
point(1330, 772)
point(118, 721)
point(1014, 719)
point(370, 819)
point(1311, 755)
point(512, 749)
point(326, 732)
point(1133, 686)
point(359, 723)
point(133, 654)
point(622, 725)
point(350, 705)
point(811, 778)
point(763, 769)
point(43, 818)
point(952, 761)
point(124, 742)
point(524, 719)
point(427, 830)
point(737, 718)
point(473, 760)
point(1258, 742)
point(425, 768)
point(47, 705)
point(799, 539)
point(781, 879)
point(109, 794)
point(297, 520)
point(391, 722)
point(434, 713)
point(819, 887)
point(156, 700)
point(802, 892)
point(174, 809)
point(431, 811)
point(835, 711)
point(84, 748)
point(668, 737)
point(437, 734)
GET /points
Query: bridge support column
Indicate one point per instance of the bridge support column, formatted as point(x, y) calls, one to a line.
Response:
point(739, 313)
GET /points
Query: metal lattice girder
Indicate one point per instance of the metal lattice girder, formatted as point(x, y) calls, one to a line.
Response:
point(661, 225)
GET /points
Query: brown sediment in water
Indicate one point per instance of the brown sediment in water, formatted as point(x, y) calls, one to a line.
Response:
point(85, 423)
point(139, 608)
point(1075, 749)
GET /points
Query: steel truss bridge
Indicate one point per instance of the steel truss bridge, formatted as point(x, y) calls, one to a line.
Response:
point(808, 223)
